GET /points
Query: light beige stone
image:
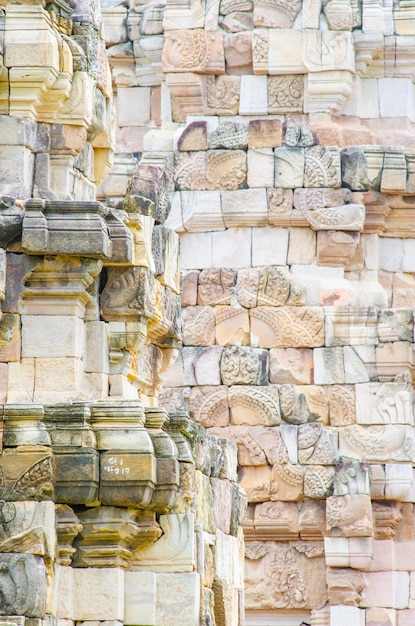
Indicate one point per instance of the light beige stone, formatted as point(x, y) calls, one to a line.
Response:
point(244, 207)
point(140, 598)
point(301, 247)
point(260, 167)
point(269, 246)
point(201, 365)
point(284, 327)
point(290, 365)
point(388, 589)
point(91, 594)
point(198, 326)
point(286, 561)
point(65, 338)
point(257, 483)
point(254, 406)
point(231, 326)
point(178, 598)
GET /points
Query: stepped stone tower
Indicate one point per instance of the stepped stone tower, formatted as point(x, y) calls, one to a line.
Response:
point(207, 285)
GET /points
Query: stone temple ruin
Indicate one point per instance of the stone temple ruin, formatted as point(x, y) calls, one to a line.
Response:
point(207, 289)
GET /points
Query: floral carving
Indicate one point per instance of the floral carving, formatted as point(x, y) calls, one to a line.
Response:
point(226, 169)
point(194, 50)
point(190, 171)
point(276, 576)
point(222, 93)
point(254, 405)
point(243, 366)
point(285, 94)
point(321, 169)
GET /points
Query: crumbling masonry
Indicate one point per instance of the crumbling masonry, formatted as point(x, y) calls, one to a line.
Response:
point(157, 427)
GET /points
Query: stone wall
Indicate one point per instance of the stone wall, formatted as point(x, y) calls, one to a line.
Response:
point(291, 130)
point(274, 145)
point(112, 509)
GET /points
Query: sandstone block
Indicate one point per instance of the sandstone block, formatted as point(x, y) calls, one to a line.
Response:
point(201, 365)
point(67, 333)
point(238, 53)
point(209, 405)
point(27, 573)
point(285, 93)
point(222, 504)
point(289, 167)
point(381, 617)
point(199, 326)
point(316, 445)
point(274, 447)
point(301, 247)
point(205, 53)
point(395, 325)
point(194, 137)
point(255, 406)
point(244, 366)
point(342, 405)
point(231, 248)
point(91, 594)
point(269, 246)
point(225, 169)
point(287, 560)
point(287, 327)
point(347, 616)
point(386, 589)
point(16, 171)
point(162, 555)
point(216, 286)
point(253, 99)
point(133, 106)
point(96, 357)
point(204, 502)
point(256, 481)
point(232, 326)
point(188, 289)
point(247, 287)
point(406, 617)
point(196, 251)
point(279, 206)
point(291, 365)
point(287, 482)
point(140, 598)
point(201, 211)
point(387, 403)
point(349, 515)
point(260, 167)
point(244, 207)
point(372, 444)
point(10, 341)
point(264, 133)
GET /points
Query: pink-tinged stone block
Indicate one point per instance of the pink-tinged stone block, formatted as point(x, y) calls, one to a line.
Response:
point(386, 589)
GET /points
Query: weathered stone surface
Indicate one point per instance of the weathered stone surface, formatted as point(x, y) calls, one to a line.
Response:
point(294, 561)
point(215, 287)
point(27, 473)
point(254, 406)
point(290, 365)
point(199, 326)
point(288, 327)
point(23, 585)
point(232, 326)
point(244, 366)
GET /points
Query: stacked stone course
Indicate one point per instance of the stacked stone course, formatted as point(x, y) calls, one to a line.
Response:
point(272, 144)
point(112, 509)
